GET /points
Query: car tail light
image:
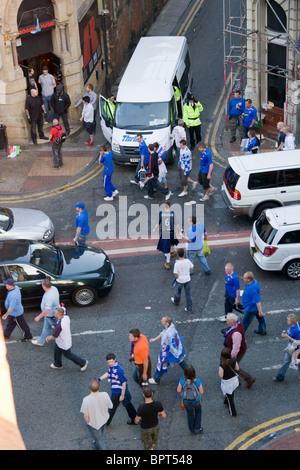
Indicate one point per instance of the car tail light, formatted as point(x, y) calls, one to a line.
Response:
point(236, 195)
point(269, 250)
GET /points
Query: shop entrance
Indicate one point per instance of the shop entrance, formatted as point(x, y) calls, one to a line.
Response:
point(36, 63)
point(36, 25)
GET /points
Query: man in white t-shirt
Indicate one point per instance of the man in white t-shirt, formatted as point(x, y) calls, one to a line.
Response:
point(182, 269)
point(95, 411)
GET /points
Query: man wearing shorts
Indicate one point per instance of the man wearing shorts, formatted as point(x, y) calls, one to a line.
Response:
point(148, 413)
point(206, 168)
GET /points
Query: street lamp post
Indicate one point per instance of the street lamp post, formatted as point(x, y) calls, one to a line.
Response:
point(105, 25)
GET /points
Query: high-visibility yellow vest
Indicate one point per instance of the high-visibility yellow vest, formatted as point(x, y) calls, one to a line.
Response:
point(176, 93)
point(191, 116)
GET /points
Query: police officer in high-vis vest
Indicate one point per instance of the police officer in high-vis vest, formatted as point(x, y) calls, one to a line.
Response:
point(191, 117)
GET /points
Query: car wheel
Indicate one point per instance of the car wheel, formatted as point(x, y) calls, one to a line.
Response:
point(84, 296)
point(292, 269)
point(263, 207)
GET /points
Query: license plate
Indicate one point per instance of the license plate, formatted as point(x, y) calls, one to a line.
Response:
point(134, 160)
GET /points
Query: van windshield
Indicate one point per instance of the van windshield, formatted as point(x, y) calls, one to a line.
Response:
point(264, 229)
point(142, 116)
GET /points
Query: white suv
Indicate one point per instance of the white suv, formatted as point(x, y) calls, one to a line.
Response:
point(275, 240)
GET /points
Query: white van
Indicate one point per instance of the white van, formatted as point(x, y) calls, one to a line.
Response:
point(146, 103)
point(253, 183)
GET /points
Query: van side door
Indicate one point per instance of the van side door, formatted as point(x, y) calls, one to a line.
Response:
point(288, 190)
point(106, 118)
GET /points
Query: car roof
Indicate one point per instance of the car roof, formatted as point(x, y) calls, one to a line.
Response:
point(286, 215)
point(14, 250)
point(151, 69)
point(266, 161)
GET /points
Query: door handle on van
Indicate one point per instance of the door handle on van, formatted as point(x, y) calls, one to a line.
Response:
point(283, 191)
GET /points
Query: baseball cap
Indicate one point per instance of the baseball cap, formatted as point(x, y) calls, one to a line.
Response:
point(80, 204)
point(10, 281)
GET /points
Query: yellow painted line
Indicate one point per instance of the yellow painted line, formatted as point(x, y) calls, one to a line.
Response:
point(55, 191)
point(272, 422)
point(190, 18)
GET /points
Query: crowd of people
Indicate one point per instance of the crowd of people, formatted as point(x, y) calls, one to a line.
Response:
point(243, 119)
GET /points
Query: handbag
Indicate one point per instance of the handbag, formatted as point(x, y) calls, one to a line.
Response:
point(206, 249)
point(291, 348)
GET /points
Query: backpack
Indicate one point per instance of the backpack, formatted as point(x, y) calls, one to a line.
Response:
point(190, 392)
point(61, 135)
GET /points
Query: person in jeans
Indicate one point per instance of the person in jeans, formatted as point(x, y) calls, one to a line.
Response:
point(56, 149)
point(49, 303)
point(193, 407)
point(293, 336)
point(148, 413)
point(82, 224)
point(119, 389)
point(252, 304)
point(47, 82)
point(182, 269)
point(194, 237)
point(95, 408)
point(172, 351)
point(232, 290)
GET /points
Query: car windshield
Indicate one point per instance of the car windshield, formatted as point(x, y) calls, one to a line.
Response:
point(6, 219)
point(264, 229)
point(142, 116)
point(46, 257)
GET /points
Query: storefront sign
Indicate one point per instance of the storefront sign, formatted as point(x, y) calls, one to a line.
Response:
point(90, 41)
point(43, 27)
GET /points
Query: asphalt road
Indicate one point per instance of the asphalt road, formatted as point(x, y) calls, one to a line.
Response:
point(48, 401)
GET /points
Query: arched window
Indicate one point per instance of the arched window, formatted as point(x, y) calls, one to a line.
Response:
point(276, 17)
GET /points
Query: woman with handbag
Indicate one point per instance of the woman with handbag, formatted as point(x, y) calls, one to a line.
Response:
point(192, 391)
point(293, 336)
point(229, 378)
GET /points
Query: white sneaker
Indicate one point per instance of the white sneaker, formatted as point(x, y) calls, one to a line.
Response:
point(148, 197)
point(108, 198)
point(115, 193)
point(182, 194)
point(133, 182)
point(222, 318)
point(205, 198)
point(84, 368)
point(168, 195)
point(36, 343)
point(212, 190)
point(152, 381)
point(54, 367)
point(194, 186)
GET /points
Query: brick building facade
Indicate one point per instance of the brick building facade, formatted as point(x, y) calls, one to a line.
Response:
point(65, 35)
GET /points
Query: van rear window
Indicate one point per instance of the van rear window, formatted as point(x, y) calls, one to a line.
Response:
point(264, 229)
point(263, 180)
point(230, 178)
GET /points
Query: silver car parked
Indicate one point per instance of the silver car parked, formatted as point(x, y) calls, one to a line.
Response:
point(27, 224)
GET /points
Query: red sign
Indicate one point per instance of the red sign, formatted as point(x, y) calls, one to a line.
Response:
point(43, 26)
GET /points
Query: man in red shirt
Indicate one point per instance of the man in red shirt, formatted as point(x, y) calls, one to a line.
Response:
point(56, 146)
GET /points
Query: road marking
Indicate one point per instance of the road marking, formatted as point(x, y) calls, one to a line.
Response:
point(55, 191)
point(190, 18)
point(252, 440)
